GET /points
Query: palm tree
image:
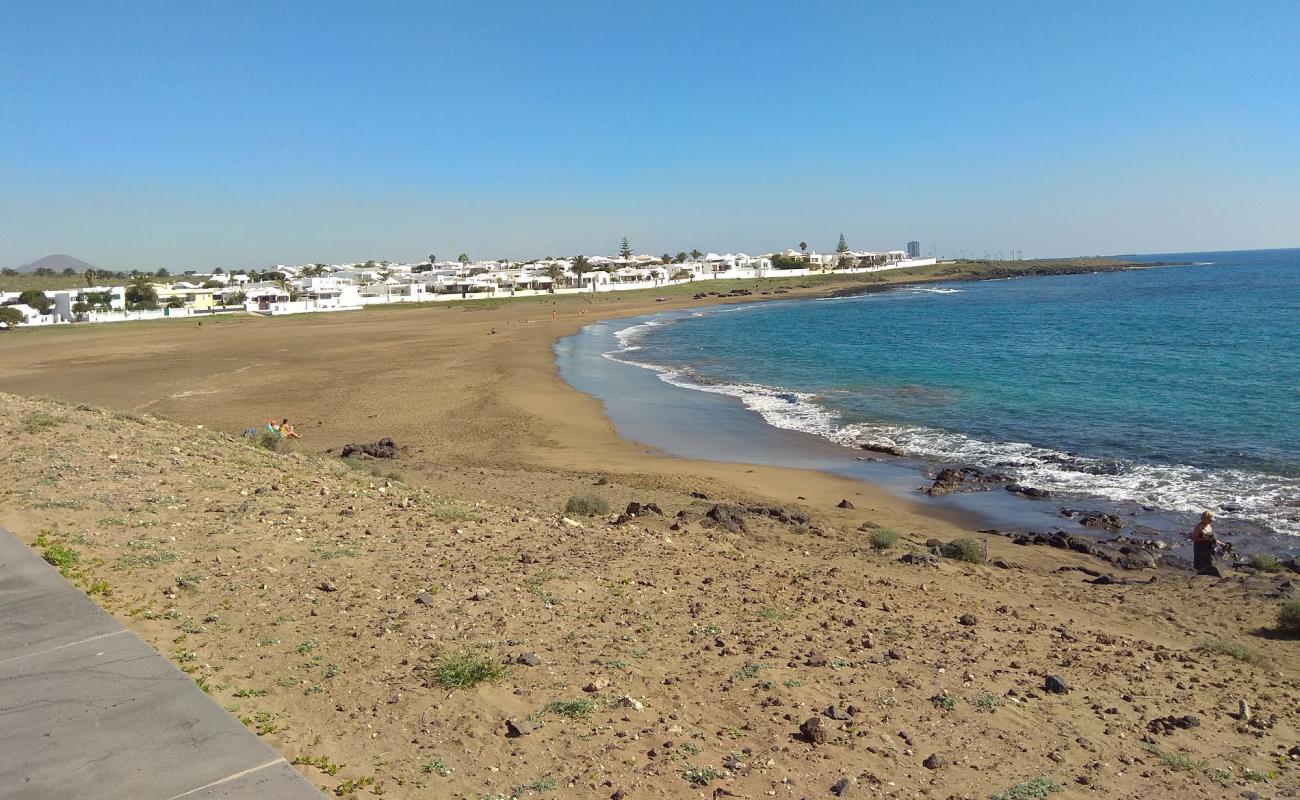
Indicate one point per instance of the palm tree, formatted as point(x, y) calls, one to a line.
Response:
point(433, 259)
point(463, 258)
point(91, 275)
point(803, 247)
point(695, 255)
point(555, 274)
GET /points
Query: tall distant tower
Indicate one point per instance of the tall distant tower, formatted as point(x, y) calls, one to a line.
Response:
point(913, 249)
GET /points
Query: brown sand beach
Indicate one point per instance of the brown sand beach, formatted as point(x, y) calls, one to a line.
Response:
point(438, 625)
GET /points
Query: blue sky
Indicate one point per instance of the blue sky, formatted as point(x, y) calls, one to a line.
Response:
point(200, 135)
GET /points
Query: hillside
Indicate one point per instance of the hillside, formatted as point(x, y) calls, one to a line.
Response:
point(58, 263)
point(459, 637)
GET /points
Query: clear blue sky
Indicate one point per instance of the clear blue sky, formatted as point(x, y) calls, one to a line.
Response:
point(193, 135)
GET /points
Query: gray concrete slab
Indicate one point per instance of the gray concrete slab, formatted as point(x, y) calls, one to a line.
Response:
point(37, 610)
point(106, 716)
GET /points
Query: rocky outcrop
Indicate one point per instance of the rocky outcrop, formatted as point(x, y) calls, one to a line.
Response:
point(1094, 519)
point(384, 448)
point(953, 479)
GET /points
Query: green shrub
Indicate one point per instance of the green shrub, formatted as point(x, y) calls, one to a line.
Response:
point(1033, 789)
point(1231, 649)
point(1288, 617)
point(968, 550)
point(883, 539)
point(465, 671)
point(1264, 563)
point(269, 440)
point(587, 505)
point(62, 557)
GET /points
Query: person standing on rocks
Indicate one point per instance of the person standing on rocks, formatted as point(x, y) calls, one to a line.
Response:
point(1203, 546)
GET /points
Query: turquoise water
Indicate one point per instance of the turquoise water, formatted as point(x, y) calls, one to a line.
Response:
point(1172, 387)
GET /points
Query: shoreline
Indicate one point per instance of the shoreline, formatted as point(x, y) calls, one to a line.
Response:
point(980, 502)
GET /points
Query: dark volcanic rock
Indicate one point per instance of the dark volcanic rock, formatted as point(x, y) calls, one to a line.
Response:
point(1028, 491)
point(935, 761)
point(1056, 685)
point(817, 730)
point(841, 787)
point(887, 449)
point(954, 479)
point(729, 518)
point(1093, 519)
point(844, 504)
point(384, 448)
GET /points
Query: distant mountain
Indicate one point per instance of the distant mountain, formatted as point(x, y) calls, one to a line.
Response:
point(58, 263)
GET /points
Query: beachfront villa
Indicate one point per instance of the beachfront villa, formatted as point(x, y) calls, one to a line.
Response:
point(346, 287)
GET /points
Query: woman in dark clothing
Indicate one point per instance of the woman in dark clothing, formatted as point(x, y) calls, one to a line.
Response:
point(1203, 546)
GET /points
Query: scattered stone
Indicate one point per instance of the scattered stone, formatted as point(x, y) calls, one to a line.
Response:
point(596, 685)
point(844, 504)
point(424, 599)
point(927, 559)
point(967, 620)
point(529, 659)
point(628, 701)
point(527, 558)
point(1056, 685)
point(935, 761)
point(1171, 723)
point(817, 730)
point(837, 713)
point(841, 787)
point(480, 593)
point(1243, 711)
point(327, 586)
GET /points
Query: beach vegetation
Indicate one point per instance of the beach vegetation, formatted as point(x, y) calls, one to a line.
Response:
point(944, 701)
point(436, 767)
point(539, 786)
point(578, 709)
point(268, 440)
point(37, 421)
point(1288, 617)
point(465, 670)
point(969, 550)
point(61, 557)
point(11, 317)
point(701, 776)
point(1032, 789)
point(882, 539)
point(1240, 652)
point(1264, 563)
point(587, 505)
point(319, 762)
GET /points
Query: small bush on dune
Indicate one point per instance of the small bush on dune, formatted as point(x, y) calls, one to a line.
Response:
point(883, 539)
point(969, 550)
point(587, 505)
point(268, 441)
point(1264, 563)
point(1288, 617)
point(1240, 652)
point(466, 670)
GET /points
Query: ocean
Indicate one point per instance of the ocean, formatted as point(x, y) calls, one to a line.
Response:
point(1168, 389)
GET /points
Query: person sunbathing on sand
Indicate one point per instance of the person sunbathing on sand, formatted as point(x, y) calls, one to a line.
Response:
point(1203, 546)
point(287, 431)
